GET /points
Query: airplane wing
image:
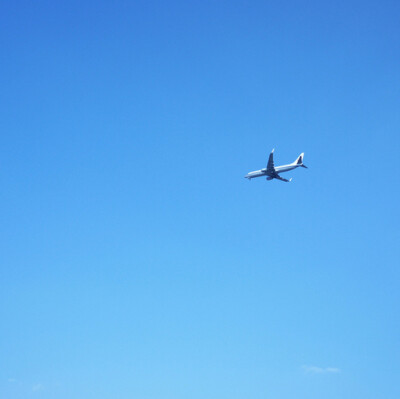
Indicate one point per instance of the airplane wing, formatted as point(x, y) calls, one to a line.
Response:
point(281, 178)
point(270, 165)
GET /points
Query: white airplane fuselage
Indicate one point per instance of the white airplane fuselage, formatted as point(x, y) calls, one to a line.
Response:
point(278, 169)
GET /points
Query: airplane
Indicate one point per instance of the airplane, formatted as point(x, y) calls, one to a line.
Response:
point(272, 172)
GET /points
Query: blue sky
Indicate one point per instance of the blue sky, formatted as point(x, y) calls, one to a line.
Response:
point(135, 259)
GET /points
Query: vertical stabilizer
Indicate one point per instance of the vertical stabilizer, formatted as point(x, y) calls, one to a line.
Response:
point(299, 160)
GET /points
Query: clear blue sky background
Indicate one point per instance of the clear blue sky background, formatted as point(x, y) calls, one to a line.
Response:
point(137, 262)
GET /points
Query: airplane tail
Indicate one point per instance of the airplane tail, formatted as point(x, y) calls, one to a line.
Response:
point(299, 160)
